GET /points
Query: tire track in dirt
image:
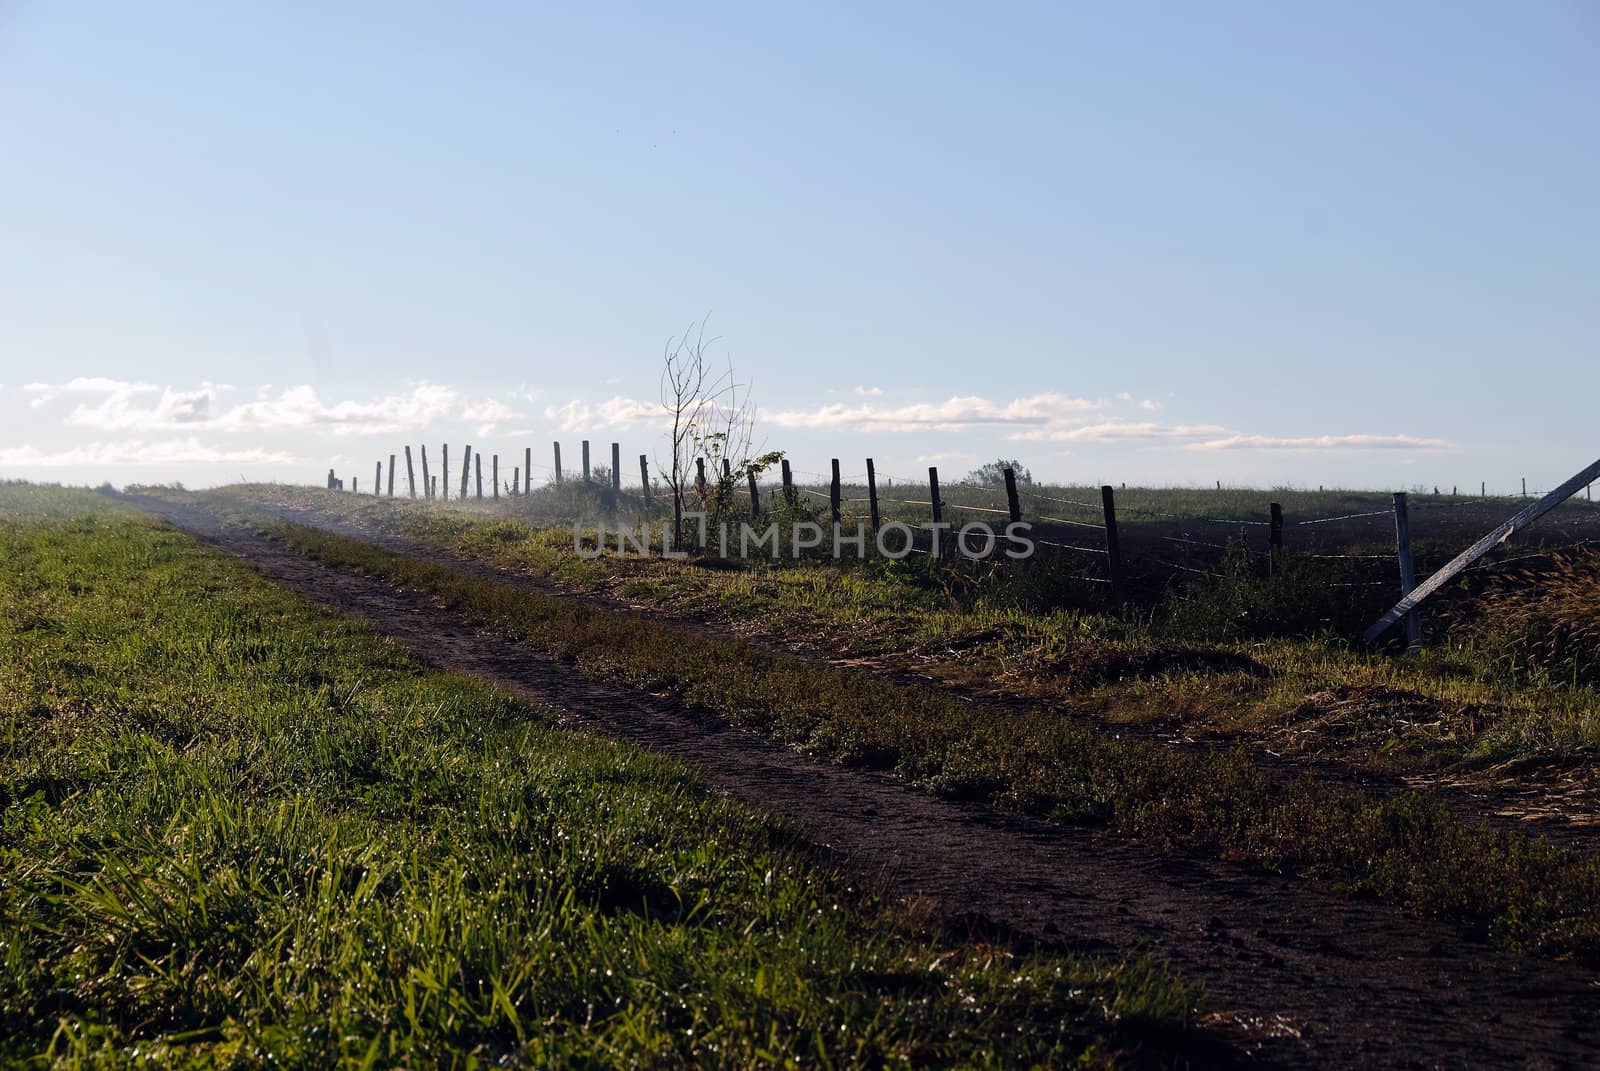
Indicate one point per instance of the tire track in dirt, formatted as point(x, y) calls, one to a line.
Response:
point(1295, 974)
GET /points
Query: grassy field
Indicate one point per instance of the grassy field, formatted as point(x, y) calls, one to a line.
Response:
point(1411, 850)
point(1233, 656)
point(238, 830)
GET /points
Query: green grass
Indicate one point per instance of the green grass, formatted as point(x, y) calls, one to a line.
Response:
point(1411, 850)
point(238, 830)
point(1241, 657)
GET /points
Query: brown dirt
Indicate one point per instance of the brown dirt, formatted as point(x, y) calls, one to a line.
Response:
point(1295, 974)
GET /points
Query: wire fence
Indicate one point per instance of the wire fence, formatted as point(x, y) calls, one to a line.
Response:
point(1119, 540)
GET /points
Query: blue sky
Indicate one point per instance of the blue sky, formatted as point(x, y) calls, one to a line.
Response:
point(1161, 243)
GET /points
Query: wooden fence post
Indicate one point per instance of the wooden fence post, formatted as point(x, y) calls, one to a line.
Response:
point(788, 483)
point(937, 506)
point(586, 461)
point(330, 479)
point(558, 464)
point(700, 476)
point(755, 496)
point(527, 470)
point(616, 467)
point(411, 476)
point(833, 492)
point(1013, 507)
point(644, 478)
point(1408, 568)
point(494, 476)
point(872, 494)
point(1274, 538)
point(478, 471)
point(355, 485)
point(377, 479)
point(466, 470)
point(516, 480)
point(443, 491)
point(433, 487)
point(1504, 531)
point(391, 471)
point(1108, 502)
point(427, 480)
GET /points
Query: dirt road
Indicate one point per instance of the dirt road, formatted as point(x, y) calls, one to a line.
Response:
point(1295, 975)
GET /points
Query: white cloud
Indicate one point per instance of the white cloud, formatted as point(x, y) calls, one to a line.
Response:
point(870, 392)
point(1117, 431)
point(126, 406)
point(1150, 405)
point(134, 452)
point(488, 414)
point(956, 414)
point(945, 455)
point(613, 413)
point(45, 393)
point(121, 408)
point(1320, 442)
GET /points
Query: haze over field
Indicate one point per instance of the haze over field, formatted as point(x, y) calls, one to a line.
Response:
point(1249, 243)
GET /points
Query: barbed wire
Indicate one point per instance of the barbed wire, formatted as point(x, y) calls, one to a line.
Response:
point(1349, 517)
point(1075, 524)
point(1071, 546)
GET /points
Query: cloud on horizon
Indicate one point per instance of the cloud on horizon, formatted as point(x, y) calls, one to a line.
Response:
point(144, 407)
point(136, 452)
point(1322, 442)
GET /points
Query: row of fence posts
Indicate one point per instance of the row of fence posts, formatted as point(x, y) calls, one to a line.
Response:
point(521, 483)
point(472, 474)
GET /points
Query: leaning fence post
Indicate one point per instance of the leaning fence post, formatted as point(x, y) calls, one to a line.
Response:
point(1274, 537)
point(938, 510)
point(466, 470)
point(1013, 507)
point(872, 494)
point(833, 492)
point(644, 477)
point(788, 483)
point(586, 461)
point(494, 476)
point(558, 464)
point(411, 476)
point(1408, 568)
point(1113, 545)
point(755, 497)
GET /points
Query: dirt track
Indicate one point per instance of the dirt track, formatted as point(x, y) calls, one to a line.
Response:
point(1296, 976)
